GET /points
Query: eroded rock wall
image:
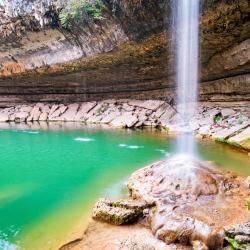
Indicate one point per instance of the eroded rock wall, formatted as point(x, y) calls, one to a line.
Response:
point(125, 55)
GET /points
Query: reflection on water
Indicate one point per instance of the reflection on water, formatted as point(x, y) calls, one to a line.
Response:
point(51, 174)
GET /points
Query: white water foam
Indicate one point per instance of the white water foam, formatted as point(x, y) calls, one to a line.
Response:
point(83, 139)
point(135, 146)
point(130, 146)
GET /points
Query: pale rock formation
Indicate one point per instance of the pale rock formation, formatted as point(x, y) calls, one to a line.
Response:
point(4, 117)
point(242, 139)
point(127, 119)
point(219, 122)
point(21, 116)
point(84, 109)
point(34, 114)
point(110, 117)
point(53, 109)
point(225, 133)
point(227, 112)
point(43, 116)
point(70, 113)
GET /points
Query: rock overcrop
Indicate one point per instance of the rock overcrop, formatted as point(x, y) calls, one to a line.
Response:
point(119, 212)
point(217, 121)
point(192, 203)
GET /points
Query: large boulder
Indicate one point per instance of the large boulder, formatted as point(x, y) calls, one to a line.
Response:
point(181, 176)
point(194, 201)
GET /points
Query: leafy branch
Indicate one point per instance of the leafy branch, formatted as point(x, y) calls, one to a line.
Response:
point(79, 8)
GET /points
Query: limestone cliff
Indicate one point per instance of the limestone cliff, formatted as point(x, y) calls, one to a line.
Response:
point(124, 54)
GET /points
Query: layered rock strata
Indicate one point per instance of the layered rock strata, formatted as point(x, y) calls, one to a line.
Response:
point(125, 55)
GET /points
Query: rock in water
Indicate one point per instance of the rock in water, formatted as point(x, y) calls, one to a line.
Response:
point(185, 203)
point(118, 212)
point(193, 201)
point(181, 177)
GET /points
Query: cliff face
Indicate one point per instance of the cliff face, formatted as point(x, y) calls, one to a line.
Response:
point(125, 54)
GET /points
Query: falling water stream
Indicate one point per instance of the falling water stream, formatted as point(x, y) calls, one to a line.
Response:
point(186, 27)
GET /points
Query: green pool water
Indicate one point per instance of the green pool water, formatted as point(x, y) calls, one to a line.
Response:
point(50, 179)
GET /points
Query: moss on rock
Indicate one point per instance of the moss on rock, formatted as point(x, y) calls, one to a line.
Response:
point(118, 212)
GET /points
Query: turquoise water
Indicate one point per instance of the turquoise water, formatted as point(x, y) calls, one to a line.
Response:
point(49, 179)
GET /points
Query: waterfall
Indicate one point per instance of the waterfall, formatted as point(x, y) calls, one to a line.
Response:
point(186, 30)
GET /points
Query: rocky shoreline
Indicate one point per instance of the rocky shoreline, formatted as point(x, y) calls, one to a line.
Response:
point(179, 203)
point(196, 208)
point(229, 123)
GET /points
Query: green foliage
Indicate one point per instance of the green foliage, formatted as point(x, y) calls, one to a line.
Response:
point(218, 118)
point(236, 245)
point(248, 205)
point(77, 8)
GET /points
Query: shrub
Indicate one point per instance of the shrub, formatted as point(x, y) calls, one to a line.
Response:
point(79, 8)
point(236, 245)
